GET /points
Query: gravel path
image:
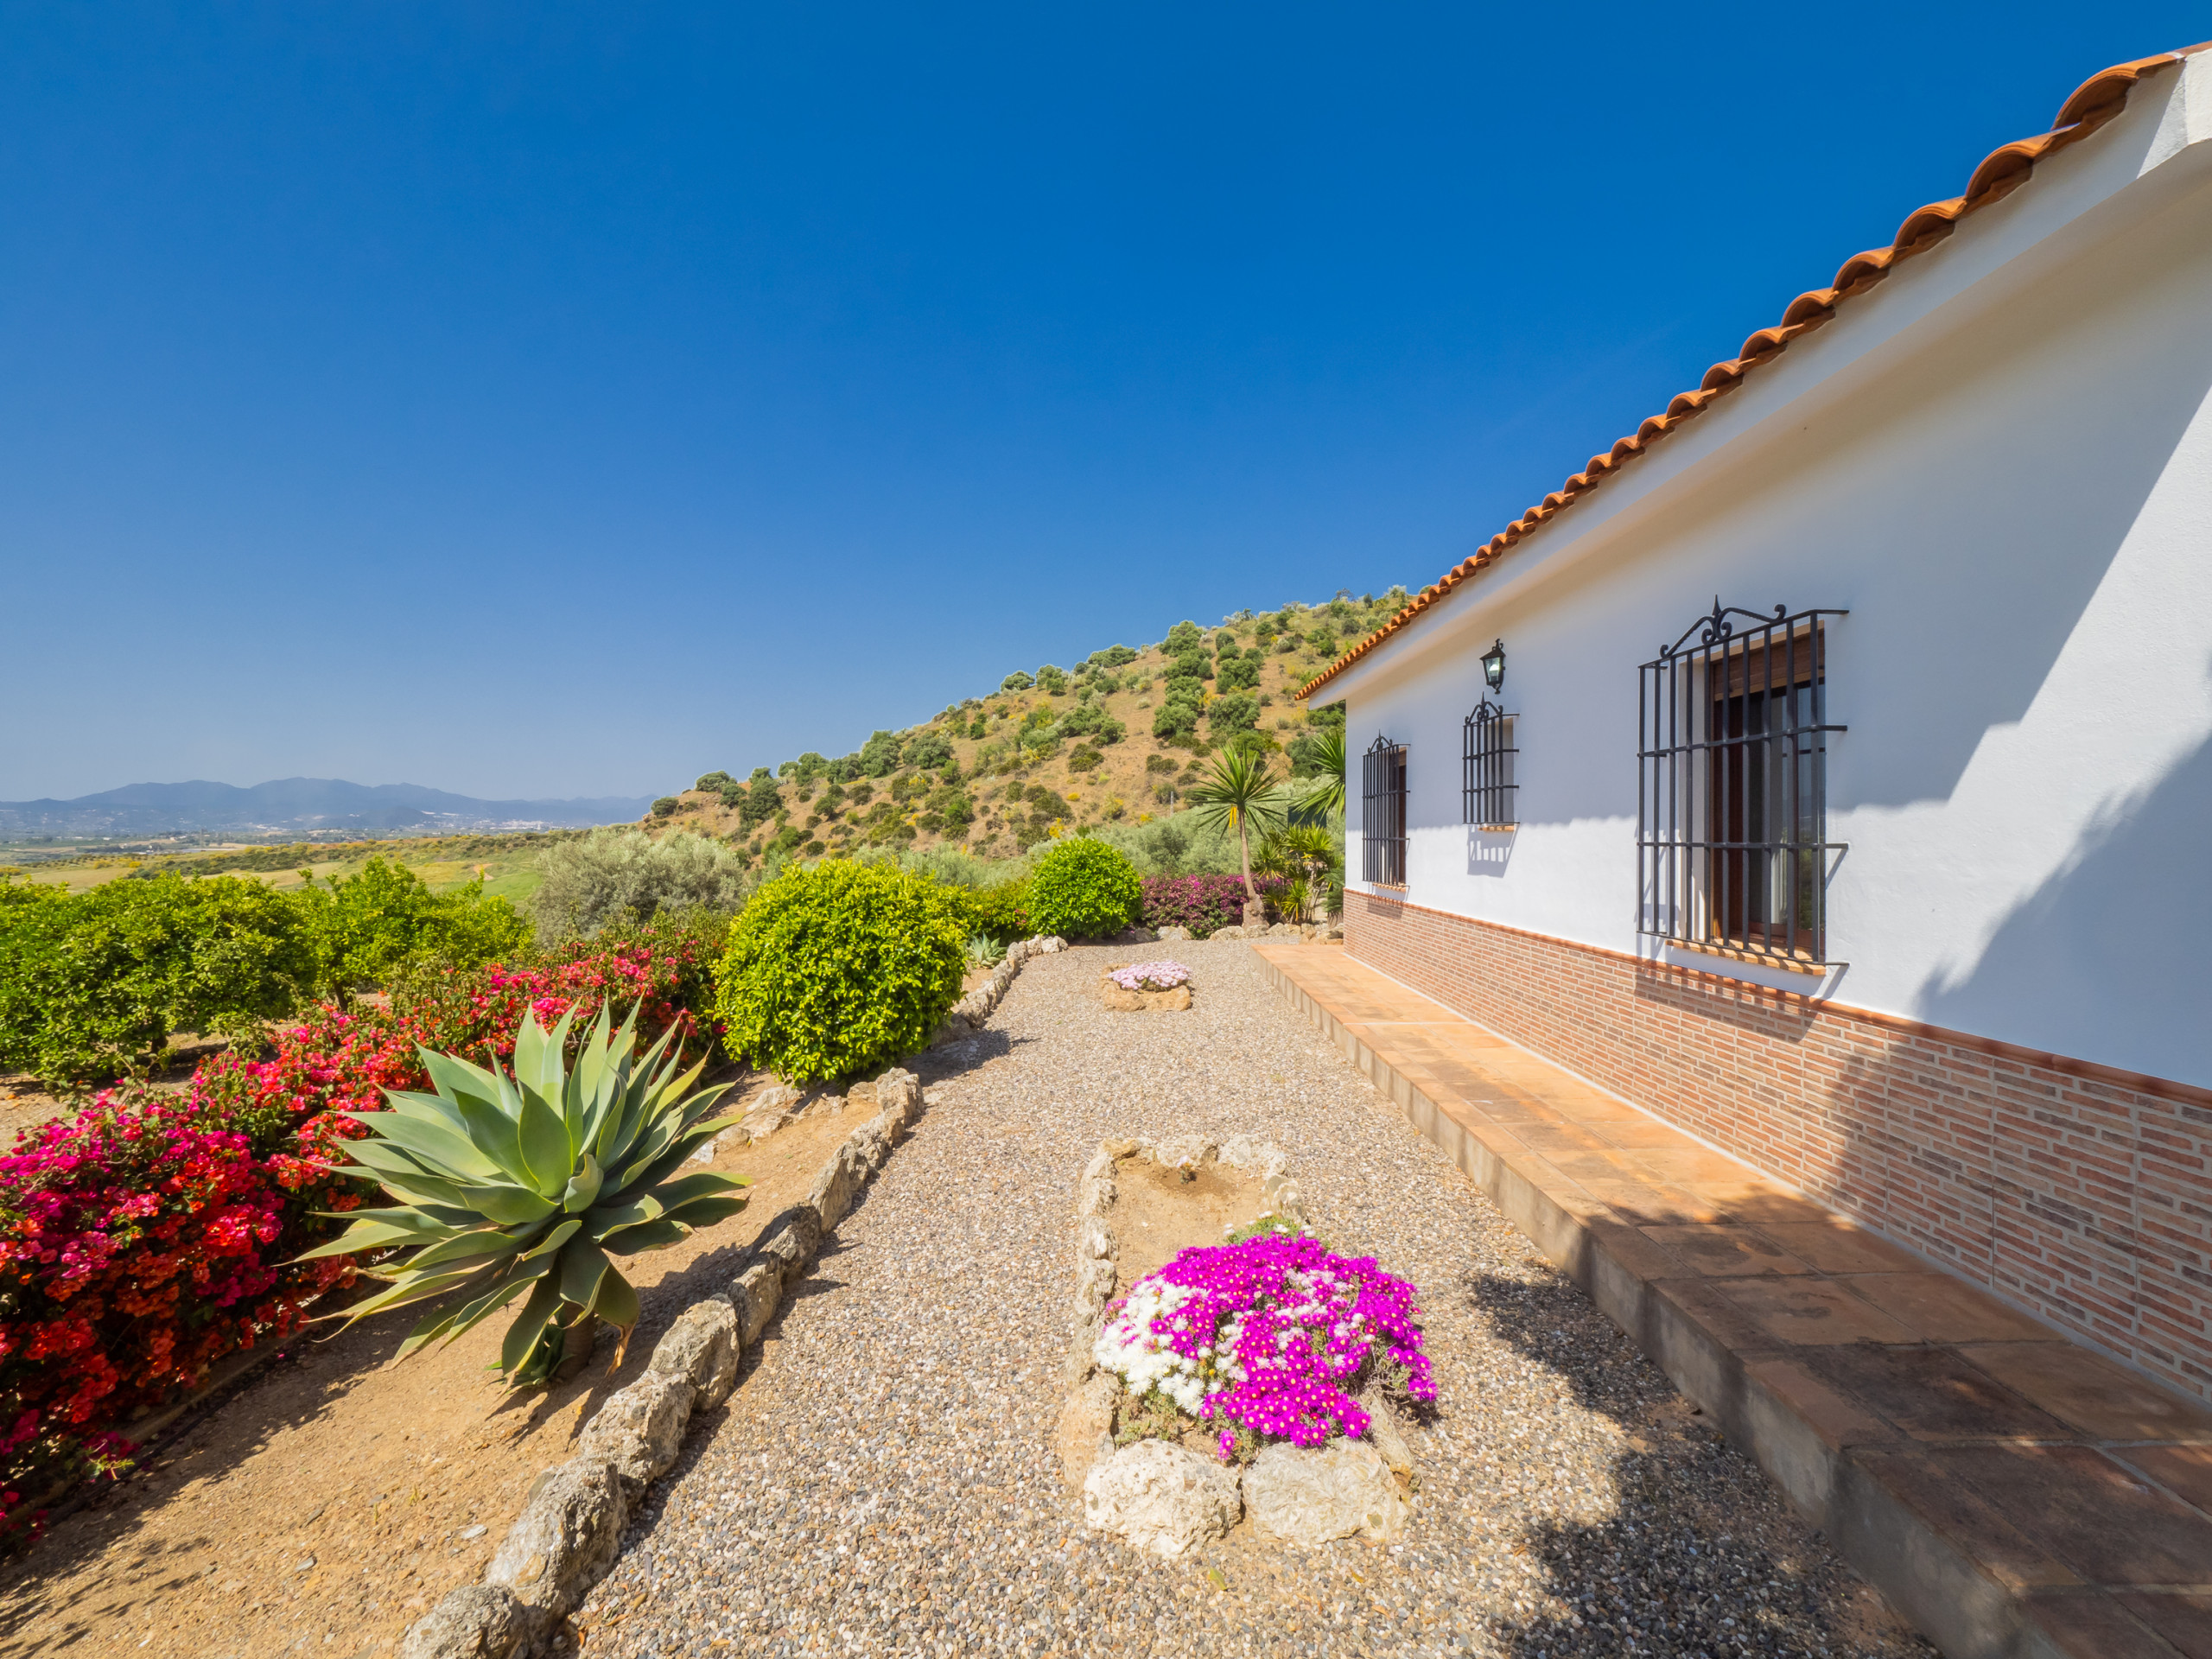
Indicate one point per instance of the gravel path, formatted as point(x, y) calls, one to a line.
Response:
point(882, 1482)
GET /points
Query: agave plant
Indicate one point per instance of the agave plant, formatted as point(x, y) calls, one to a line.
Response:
point(534, 1182)
point(984, 952)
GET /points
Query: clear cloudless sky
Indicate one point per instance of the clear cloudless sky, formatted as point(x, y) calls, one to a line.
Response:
point(543, 400)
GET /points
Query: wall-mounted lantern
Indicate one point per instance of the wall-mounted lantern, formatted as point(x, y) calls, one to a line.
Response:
point(1494, 666)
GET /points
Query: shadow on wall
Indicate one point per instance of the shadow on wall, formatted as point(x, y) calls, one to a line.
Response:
point(1490, 851)
point(1702, 1554)
point(2089, 927)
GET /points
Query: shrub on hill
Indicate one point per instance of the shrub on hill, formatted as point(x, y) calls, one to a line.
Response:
point(838, 967)
point(1237, 712)
point(929, 751)
point(1082, 888)
point(879, 754)
point(618, 874)
point(1112, 657)
point(1017, 681)
point(1238, 674)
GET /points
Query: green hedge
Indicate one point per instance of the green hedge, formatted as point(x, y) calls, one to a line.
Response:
point(837, 968)
point(1083, 888)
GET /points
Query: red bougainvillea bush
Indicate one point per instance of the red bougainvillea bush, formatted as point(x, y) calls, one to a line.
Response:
point(154, 1233)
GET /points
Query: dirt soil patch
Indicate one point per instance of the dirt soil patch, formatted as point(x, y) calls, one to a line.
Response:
point(1157, 1214)
point(336, 1495)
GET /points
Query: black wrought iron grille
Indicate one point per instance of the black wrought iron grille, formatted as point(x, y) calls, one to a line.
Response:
point(1731, 784)
point(1488, 794)
point(1382, 821)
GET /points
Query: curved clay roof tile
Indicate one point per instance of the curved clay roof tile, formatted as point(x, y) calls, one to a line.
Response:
point(2093, 103)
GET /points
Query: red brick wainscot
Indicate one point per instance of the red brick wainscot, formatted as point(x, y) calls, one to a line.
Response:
point(2079, 1192)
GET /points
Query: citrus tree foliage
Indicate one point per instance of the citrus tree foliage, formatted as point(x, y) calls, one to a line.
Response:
point(618, 874)
point(534, 1182)
point(838, 967)
point(1082, 887)
point(364, 928)
point(93, 983)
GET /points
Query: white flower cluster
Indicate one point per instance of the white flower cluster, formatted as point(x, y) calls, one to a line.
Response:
point(1144, 1359)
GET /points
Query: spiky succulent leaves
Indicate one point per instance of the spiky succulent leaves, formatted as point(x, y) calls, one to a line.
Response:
point(532, 1181)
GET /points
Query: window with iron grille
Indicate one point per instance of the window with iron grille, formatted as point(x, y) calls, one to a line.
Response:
point(1488, 796)
point(1382, 821)
point(1731, 788)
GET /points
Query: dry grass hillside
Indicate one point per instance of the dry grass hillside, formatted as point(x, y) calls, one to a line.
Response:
point(993, 774)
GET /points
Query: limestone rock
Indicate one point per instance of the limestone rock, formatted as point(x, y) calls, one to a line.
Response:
point(1086, 1431)
point(702, 1347)
point(1180, 935)
point(1280, 1195)
point(1095, 1270)
point(1249, 1152)
point(1185, 1151)
point(567, 1534)
point(1383, 1433)
point(639, 1429)
point(838, 1184)
point(1305, 1497)
point(870, 1144)
point(1052, 945)
point(755, 1294)
point(1118, 1001)
point(1226, 933)
point(790, 1241)
point(1286, 931)
point(1162, 1498)
point(1095, 1197)
point(861, 1095)
point(890, 1126)
point(478, 1620)
point(901, 1090)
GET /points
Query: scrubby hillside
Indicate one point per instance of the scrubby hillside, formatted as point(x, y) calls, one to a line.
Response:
point(1115, 739)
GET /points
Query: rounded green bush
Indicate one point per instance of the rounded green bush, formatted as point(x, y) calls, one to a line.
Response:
point(836, 968)
point(1082, 887)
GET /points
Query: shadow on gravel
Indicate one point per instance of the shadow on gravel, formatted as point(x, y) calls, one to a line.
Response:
point(1668, 1572)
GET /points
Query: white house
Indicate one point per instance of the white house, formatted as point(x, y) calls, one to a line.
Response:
point(1893, 874)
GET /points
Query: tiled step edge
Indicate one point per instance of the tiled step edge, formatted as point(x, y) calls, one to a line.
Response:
point(1770, 1410)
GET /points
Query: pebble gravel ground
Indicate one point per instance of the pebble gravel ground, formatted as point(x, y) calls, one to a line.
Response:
point(882, 1481)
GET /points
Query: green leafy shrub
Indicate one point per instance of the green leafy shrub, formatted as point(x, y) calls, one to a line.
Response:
point(366, 927)
point(838, 967)
point(1082, 887)
point(617, 874)
point(1157, 763)
point(1112, 657)
point(1175, 721)
point(1092, 720)
point(761, 800)
point(91, 984)
point(1083, 760)
point(1017, 681)
point(1183, 635)
point(1238, 674)
point(879, 754)
point(714, 782)
point(665, 807)
point(1054, 681)
point(533, 1183)
point(930, 750)
point(1237, 712)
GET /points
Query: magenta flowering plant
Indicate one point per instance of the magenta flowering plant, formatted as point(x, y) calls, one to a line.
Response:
point(1275, 1335)
point(1150, 976)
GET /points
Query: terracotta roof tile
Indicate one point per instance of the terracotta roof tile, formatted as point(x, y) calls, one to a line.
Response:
point(2002, 171)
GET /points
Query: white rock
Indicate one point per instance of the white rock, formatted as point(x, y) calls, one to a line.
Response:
point(1052, 945)
point(701, 1347)
point(1095, 1270)
point(837, 1184)
point(567, 1534)
point(1180, 934)
point(1184, 1151)
point(478, 1620)
point(1162, 1498)
point(755, 1294)
point(1343, 1490)
point(639, 1429)
point(1383, 1433)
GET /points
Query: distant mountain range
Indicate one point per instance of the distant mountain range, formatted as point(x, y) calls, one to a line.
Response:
point(294, 805)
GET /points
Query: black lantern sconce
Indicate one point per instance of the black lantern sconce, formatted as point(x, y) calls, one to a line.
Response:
point(1494, 666)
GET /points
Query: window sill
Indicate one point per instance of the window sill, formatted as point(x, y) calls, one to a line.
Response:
point(1498, 829)
point(1798, 964)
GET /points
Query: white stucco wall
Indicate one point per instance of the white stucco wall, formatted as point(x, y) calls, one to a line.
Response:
point(2000, 462)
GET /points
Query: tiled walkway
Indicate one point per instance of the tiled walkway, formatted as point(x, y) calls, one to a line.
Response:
point(2012, 1493)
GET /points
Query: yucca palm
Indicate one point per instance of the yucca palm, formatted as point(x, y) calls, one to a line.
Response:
point(1325, 796)
point(532, 1182)
point(1242, 792)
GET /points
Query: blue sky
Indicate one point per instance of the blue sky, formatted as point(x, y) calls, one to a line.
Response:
point(547, 400)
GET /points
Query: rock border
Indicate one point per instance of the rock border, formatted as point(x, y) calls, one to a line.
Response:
point(1164, 1498)
point(570, 1533)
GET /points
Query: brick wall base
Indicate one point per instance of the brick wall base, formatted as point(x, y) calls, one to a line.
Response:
point(2078, 1192)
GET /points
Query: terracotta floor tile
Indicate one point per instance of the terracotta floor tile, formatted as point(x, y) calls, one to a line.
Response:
point(2096, 1625)
point(1556, 1141)
point(2184, 1618)
point(1931, 1393)
point(1692, 1166)
point(1836, 1417)
point(1639, 1132)
point(2102, 1521)
point(1811, 1312)
point(1648, 1203)
point(2184, 1469)
point(1726, 1252)
point(1718, 1316)
point(1836, 1246)
point(1976, 1527)
point(1596, 1165)
point(1758, 1204)
point(1944, 1308)
point(2090, 1391)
